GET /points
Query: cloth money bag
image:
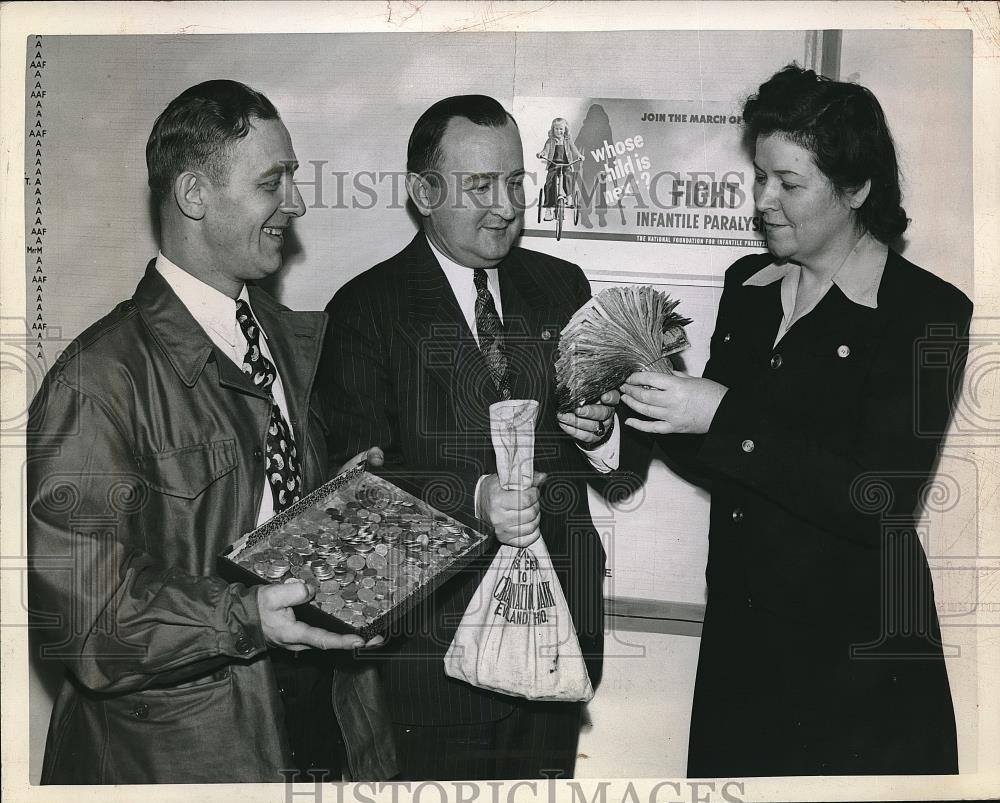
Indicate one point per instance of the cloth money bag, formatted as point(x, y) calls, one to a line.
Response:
point(517, 635)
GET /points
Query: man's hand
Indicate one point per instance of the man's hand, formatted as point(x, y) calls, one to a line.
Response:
point(375, 456)
point(677, 402)
point(514, 515)
point(282, 629)
point(591, 424)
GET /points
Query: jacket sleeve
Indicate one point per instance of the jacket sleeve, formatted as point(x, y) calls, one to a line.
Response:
point(357, 389)
point(848, 488)
point(99, 602)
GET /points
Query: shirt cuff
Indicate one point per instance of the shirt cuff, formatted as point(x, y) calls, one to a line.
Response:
point(604, 458)
point(475, 496)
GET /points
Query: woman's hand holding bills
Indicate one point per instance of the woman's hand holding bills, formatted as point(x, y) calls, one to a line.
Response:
point(675, 403)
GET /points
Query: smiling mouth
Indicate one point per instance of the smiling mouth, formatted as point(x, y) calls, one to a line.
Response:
point(274, 231)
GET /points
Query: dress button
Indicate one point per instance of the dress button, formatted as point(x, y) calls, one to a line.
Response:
point(244, 645)
point(843, 351)
point(776, 361)
point(747, 446)
point(737, 515)
point(141, 711)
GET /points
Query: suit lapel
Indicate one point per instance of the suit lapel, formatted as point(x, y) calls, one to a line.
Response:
point(436, 330)
point(523, 302)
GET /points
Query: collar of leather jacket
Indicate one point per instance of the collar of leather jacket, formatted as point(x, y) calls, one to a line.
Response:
point(293, 337)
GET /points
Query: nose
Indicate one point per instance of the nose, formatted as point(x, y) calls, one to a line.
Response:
point(291, 203)
point(765, 196)
point(509, 202)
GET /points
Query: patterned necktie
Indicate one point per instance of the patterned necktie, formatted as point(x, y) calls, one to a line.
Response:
point(490, 329)
point(282, 464)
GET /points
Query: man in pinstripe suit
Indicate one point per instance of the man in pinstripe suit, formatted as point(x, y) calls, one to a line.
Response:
point(417, 349)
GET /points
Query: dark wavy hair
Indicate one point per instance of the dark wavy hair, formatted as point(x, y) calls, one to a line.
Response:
point(423, 152)
point(196, 129)
point(843, 126)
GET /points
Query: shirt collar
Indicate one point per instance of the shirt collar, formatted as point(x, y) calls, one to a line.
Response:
point(462, 278)
point(858, 277)
point(211, 308)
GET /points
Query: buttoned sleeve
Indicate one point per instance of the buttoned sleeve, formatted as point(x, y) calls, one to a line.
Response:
point(120, 621)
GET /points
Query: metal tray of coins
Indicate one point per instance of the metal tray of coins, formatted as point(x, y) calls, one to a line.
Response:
point(371, 550)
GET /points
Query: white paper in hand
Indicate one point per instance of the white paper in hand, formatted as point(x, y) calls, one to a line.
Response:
point(517, 635)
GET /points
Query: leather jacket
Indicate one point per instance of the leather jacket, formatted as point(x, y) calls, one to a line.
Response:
point(145, 453)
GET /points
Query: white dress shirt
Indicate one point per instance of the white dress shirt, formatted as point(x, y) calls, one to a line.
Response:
point(215, 312)
point(461, 280)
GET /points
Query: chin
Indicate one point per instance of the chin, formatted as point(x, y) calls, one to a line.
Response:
point(779, 251)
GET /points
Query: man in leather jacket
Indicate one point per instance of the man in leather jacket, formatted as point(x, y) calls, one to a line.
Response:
point(152, 447)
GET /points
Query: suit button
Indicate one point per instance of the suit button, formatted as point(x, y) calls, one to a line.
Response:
point(257, 454)
point(747, 446)
point(546, 334)
point(776, 361)
point(243, 645)
point(843, 351)
point(141, 711)
point(737, 515)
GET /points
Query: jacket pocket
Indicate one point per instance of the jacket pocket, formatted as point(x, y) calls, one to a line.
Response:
point(173, 735)
point(188, 471)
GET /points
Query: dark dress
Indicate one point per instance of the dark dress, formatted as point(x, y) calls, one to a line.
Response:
point(821, 651)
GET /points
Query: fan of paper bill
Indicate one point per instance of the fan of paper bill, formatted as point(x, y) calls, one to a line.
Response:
point(617, 332)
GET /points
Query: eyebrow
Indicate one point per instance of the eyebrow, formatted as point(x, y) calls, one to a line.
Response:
point(279, 168)
point(492, 174)
point(779, 172)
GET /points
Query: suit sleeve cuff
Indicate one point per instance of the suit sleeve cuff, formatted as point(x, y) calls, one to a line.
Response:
point(606, 457)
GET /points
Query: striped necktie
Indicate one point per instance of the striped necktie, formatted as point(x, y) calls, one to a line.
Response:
point(490, 329)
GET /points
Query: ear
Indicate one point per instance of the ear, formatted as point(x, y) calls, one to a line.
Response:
point(190, 194)
point(421, 192)
point(856, 198)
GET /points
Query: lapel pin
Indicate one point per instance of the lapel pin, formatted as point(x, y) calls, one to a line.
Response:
point(727, 338)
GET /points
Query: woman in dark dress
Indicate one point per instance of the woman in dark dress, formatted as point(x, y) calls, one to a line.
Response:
point(832, 376)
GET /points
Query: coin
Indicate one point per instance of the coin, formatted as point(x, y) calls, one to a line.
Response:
point(355, 562)
point(376, 561)
point(297, 542)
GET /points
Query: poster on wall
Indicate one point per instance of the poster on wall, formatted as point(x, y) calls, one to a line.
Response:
point(667, 182)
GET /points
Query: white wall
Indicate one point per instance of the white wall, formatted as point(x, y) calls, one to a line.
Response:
point(925, 90)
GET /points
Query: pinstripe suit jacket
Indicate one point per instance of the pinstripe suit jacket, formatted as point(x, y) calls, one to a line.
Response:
point(401, 370)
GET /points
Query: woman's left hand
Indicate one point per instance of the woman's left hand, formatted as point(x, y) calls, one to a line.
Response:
point(676, 402)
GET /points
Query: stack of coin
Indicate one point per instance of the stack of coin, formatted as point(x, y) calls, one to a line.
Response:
point(362, 550)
